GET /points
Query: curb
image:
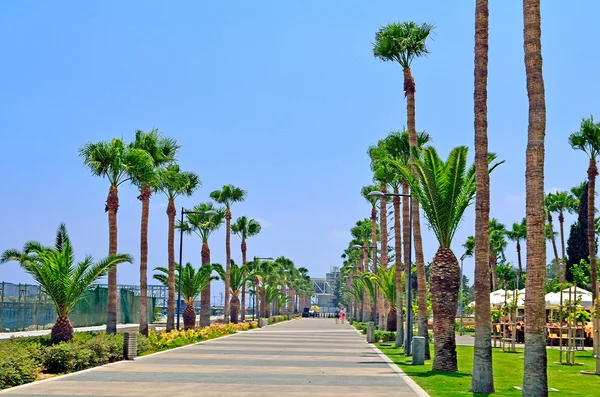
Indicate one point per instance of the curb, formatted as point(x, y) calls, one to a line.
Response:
point(407, 379)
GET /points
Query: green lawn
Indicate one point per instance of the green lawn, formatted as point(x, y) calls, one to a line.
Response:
point(508, 372)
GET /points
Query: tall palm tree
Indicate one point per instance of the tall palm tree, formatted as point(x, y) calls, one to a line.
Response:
point(245, 228)
point(445, 190)
point(535, 381)
point(238, 276)
point(174, 183)
point(162, 150)
point(362, 233)
point(562, 202)
point(397, 145)
point(483, 377)
point(203, 226)
point(228, 195)
point(550, 208)
point(193, 282)
point(402, 43)
point(497, 244)
point(517, 234)
point(115, 161)
point(59, 277)
point(587, 139)
point(374, 227)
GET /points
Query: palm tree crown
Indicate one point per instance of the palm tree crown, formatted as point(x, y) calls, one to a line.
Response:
point(193, 281)
point(245, 228)
point(203, 225)
point(228, 195)
point(444, 189)
point(174, 183)
point(402, 42)
point(587, 139)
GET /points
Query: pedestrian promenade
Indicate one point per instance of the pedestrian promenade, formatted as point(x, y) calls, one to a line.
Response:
point(307, 357)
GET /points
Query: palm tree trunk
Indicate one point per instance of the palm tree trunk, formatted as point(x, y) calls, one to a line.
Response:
point(519, 258)
point(189, 316)
point(492, 269)
point(243, 309)
point(144, 197)
point(535, 379)
point(554, 248)
point(235, 308)
point(171, 213)
point(398, 256)
point(483, 376)
point(112, 206)
point(374, 244)
point(409, 91)
point(227, 263)
point(444, 278)
point(591, 210)
point(62, 330)
point(205, 295)
point(407, 237)
point(381, 302)
point(291, 301)
point(563, 266)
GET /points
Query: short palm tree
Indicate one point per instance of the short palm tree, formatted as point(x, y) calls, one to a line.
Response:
point(115, 161)
point(174, 183)
point(362, 235)
point(203, 226)
point(59, 277)
point(238, 277)
point(193, 282)
point(245, 228)
point(162, 150)
point(271, 294)
point(445, 190)
point(517, 234)
point(587, 139)
point(228, 195)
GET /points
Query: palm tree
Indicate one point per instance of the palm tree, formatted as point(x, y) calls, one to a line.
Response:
point(587, 139)
point(174, 183)
point(362, 233)
point(237, 277)
point(192, 284)
point(562, 202)
point(517, 234)
point(374, 227)
point(228, 195)
point(60, 278)
point(402, 43)
point(550, 208)
point(497, 243)
point(203, 226)
point(483, 377)
point(445, 190)
point(115, 161)
point(162, 150)
point(245, 228)
point(397, 145)
point(535, 381)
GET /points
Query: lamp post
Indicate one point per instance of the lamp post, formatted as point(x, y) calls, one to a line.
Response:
point(256, 258)
point(375, 318)
point(184, 212)
point(408, 332)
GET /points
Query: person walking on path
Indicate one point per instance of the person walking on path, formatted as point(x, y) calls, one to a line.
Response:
point(337, 315)
point(342, 315)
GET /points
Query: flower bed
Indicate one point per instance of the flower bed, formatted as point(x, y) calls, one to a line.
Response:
point(22, 360)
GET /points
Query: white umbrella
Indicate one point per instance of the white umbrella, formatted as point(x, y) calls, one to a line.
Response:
point(553, 298)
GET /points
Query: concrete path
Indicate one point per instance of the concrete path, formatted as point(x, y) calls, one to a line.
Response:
point(307, 357)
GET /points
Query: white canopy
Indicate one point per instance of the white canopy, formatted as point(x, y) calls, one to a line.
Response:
point(553, 298)
point(499, 297)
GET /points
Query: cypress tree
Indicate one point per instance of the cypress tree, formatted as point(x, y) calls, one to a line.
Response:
point(577, 244)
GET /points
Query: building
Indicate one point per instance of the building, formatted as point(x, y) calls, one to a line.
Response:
point(325, 290)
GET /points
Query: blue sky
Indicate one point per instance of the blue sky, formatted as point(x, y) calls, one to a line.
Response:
point(279, 98)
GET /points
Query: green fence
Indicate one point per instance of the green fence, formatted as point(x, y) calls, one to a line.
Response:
point(24, 307)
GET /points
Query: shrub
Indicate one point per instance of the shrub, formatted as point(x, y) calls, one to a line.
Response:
point(19, 363)
point(385, 336)
point(277, 319)
point(66, 357)
point(361, 326)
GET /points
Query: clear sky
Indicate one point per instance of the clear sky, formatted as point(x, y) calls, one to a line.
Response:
point(280, 98)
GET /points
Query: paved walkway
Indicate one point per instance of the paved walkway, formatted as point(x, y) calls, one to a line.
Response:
point(308, 357)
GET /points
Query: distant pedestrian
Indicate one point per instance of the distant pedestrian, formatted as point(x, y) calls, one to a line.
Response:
point(342, 315)
point(337, 315)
